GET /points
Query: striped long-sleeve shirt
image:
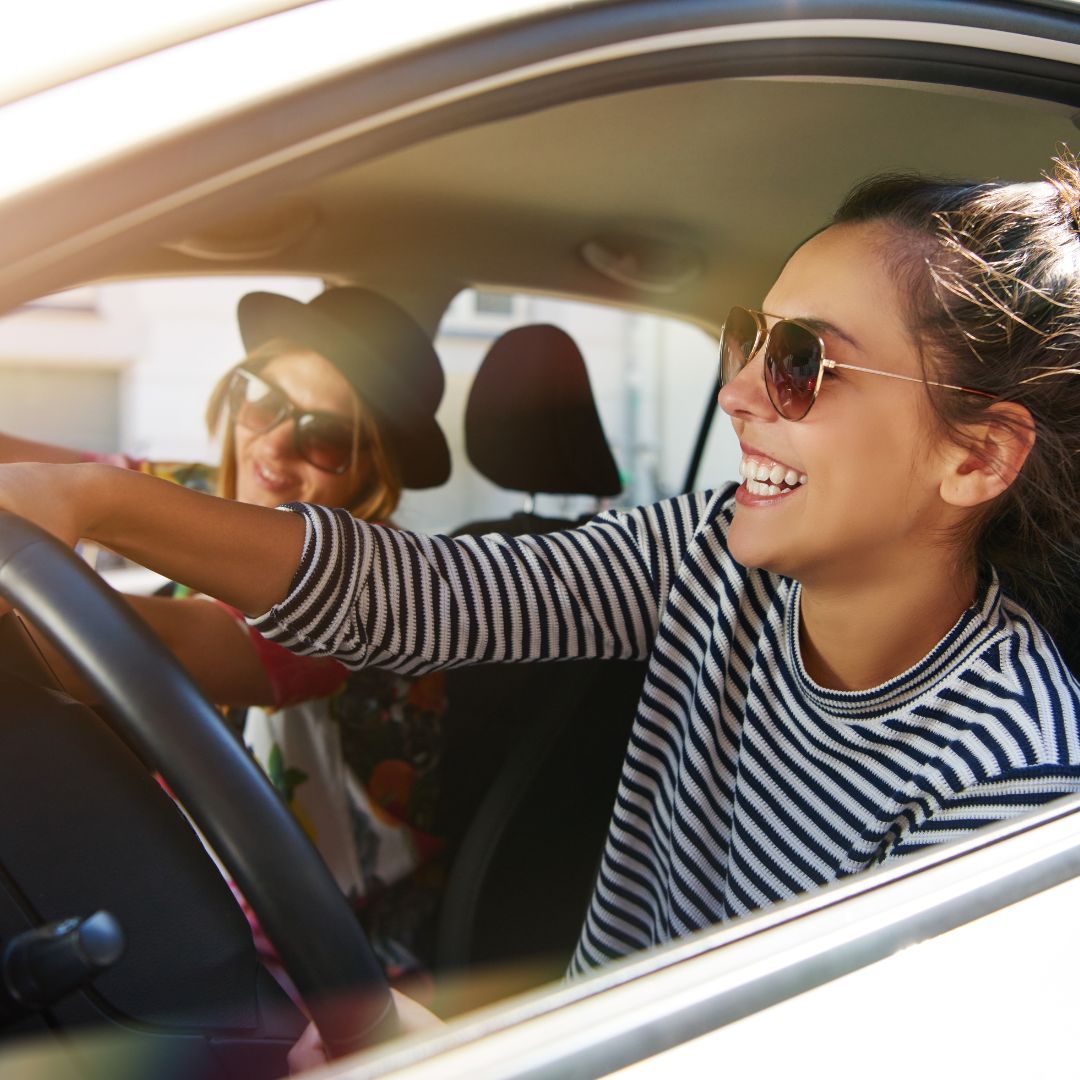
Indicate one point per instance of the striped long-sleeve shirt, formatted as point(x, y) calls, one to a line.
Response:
point(744, 782)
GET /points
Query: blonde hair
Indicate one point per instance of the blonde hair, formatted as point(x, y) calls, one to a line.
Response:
point(380, 492)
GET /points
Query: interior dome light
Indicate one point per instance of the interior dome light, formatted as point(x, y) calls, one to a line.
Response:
point(645, 263)
point(257, 235)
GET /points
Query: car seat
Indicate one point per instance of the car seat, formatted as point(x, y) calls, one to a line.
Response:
point(532, 752)
point(531, 426)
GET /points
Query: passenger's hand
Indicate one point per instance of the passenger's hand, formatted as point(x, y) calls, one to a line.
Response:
point(309, 1052)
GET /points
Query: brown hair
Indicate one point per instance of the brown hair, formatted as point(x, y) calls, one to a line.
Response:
point(991, 276)
point(378, 496)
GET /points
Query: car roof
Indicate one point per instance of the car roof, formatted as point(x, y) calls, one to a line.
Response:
point(54, 41)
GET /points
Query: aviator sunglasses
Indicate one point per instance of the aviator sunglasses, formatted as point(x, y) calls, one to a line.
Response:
point(322, 439)
point(794, 362)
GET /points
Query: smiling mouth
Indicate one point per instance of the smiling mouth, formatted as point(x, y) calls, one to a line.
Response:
point(766, 478)
point(269, 478)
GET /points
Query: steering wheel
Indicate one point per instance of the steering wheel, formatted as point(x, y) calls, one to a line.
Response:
point(157, 709)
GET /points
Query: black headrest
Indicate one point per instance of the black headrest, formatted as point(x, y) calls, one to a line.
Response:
point(531, 422)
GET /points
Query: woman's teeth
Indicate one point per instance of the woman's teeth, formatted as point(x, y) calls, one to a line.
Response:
point(271, 479)
point(768, 478)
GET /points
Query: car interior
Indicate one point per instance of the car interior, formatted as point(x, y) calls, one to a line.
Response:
point(669, 190)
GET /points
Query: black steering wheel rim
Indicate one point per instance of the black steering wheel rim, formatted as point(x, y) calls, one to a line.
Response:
point(156, 708)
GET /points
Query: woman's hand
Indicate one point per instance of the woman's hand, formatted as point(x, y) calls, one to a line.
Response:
point(37, 493)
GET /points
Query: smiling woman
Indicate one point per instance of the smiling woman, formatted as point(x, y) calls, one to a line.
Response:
point(885, 488)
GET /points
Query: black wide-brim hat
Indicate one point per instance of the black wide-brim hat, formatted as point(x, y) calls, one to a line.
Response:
point(385, 356)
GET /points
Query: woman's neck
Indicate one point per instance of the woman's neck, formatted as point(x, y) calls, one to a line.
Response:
point(854, 637)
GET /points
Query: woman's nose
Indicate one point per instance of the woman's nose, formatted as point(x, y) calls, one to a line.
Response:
point(745, 395)
point(280, 439)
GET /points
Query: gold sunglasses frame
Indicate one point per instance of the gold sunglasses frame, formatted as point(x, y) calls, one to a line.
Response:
point(761, 336)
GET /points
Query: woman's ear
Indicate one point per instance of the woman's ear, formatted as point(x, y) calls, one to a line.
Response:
point(990, 454)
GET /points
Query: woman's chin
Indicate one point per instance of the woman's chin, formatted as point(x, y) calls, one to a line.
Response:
point(752, 547)
point(259, 495)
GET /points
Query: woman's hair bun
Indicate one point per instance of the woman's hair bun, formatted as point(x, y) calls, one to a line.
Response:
point(1065, 179)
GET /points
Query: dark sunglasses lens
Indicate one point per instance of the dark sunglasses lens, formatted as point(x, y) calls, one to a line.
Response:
point(736, 343)
point(792, 366)
point(325, 442)
point(256, 404)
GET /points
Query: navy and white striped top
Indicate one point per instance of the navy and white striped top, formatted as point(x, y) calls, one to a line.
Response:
point(744, 782)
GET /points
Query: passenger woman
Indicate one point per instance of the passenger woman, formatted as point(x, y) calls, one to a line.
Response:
point(334, 403)
point(852, 653)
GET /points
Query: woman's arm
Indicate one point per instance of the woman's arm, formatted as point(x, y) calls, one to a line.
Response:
point(387, 598)
point(12, 448)
point(372, 596)
point(210, 643)
point(244, 555)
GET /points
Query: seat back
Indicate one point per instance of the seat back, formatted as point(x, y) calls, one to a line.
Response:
point(532, 751)
point(531, 422)
point(521, 879)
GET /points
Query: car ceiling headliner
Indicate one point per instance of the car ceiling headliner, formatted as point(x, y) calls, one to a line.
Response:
point(738, 169)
